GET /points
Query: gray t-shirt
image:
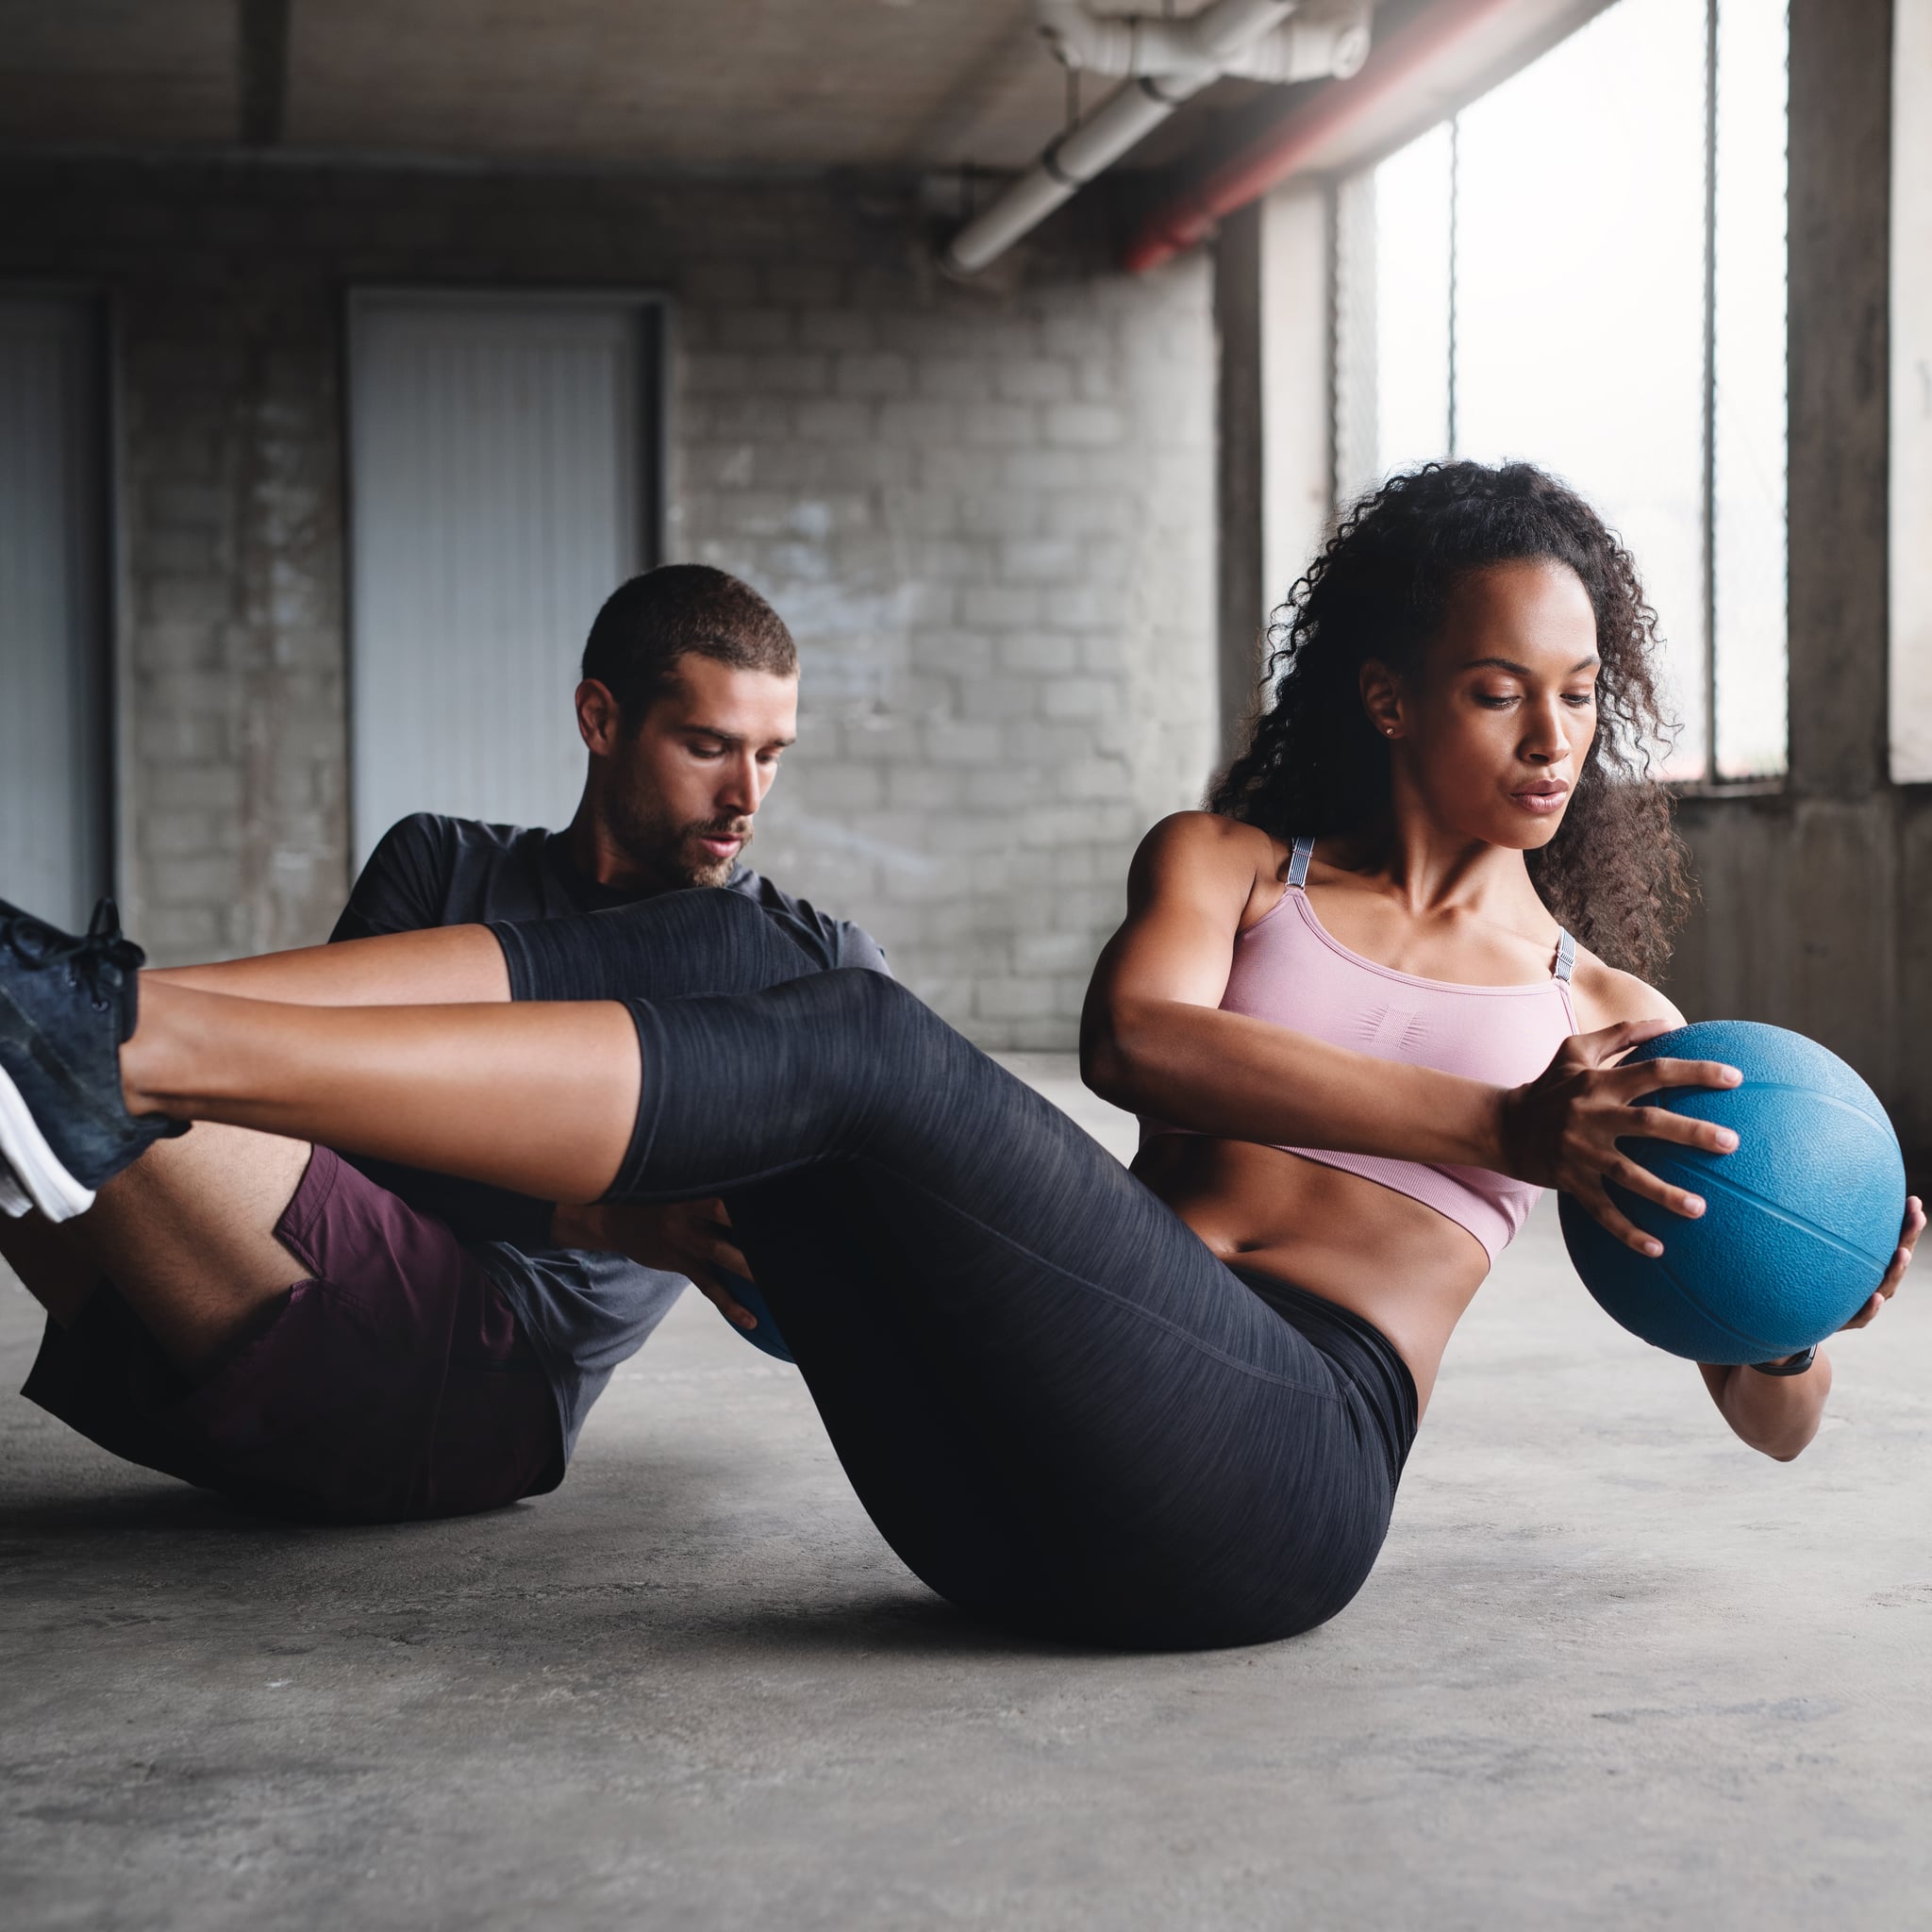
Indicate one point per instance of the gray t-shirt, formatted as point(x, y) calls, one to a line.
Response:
point(584, 1313)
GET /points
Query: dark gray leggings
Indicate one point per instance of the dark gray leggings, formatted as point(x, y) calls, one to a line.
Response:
point(1058, 1407)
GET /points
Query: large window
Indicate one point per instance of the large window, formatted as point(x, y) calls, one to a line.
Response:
point(1586, 268)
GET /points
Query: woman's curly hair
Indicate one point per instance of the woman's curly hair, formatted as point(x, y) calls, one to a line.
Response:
point(1616, 873)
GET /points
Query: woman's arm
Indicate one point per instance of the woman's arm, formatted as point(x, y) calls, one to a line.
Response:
point(1153, 1040)
point(1775, 1415)
point(1779, 1414)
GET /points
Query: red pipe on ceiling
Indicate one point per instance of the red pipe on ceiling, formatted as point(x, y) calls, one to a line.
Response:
point(1191, 215)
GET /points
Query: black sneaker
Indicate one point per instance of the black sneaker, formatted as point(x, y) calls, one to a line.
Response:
point(66, 1005)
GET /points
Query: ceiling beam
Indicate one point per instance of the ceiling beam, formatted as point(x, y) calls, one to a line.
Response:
point(262, 58)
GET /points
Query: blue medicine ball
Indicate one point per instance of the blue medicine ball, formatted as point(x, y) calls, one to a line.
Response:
point(765, 1335)
point(1800, 1222)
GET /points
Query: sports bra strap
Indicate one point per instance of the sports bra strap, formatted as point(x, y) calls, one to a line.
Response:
point(1298, 878)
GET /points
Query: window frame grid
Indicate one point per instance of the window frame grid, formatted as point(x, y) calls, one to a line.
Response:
point(1710, 781)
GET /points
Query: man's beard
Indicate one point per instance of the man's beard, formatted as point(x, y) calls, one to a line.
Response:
point(667, 851)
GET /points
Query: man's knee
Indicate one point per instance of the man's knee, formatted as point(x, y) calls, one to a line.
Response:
point(52, 1262)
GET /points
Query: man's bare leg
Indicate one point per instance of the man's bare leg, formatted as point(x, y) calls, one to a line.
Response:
point(186, 1234)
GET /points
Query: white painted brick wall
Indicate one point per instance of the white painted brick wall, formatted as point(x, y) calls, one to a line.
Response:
point(1005, 640)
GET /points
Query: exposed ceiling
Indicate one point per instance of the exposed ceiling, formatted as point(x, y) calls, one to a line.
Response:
point(114, 69)
point(732, 86)
point(738, 84)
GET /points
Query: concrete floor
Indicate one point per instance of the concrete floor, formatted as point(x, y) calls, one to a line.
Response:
point(1613, 1671)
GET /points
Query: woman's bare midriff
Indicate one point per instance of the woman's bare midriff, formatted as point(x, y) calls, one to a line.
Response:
point(1401, 1266)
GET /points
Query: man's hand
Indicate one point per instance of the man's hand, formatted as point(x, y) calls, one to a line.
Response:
point(688, 1238)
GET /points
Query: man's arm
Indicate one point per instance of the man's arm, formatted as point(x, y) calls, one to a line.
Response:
point(856, 947)
point(689, 1238)
point(823, 940)
point(403, 886)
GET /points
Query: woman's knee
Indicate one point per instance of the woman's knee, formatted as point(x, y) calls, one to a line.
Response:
point(908, 1075)
point(742, 932)
point(883, 1012)
point(705, 940)
point(694, 915)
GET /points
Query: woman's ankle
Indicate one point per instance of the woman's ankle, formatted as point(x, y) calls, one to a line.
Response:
point(150, 1056)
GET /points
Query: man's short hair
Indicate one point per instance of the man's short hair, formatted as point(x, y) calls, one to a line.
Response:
point(648, 624)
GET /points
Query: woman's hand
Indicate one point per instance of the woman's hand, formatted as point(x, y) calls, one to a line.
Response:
point(1901, 1260)
point(1561, 1130)
point(688, 1238)
point(1779, 1414)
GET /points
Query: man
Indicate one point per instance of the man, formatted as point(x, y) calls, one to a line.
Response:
point(267, 1320)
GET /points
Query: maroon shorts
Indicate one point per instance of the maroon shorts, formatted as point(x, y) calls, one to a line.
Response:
point(393, 1382)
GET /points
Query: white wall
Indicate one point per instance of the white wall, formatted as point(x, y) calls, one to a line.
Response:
point(53, 844)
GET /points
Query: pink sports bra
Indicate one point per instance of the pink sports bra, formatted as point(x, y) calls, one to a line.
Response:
point(1289, 970)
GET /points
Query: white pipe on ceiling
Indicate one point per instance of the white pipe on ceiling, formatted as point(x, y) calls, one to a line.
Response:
point(1212, 42)
point(1302, 48)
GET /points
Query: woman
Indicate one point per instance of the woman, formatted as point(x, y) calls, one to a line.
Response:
point(1166, 1409)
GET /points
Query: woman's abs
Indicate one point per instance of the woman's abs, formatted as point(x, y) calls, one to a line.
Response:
point(1398, 1264)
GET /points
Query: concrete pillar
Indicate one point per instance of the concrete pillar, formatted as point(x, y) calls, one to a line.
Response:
point(1240, 496)
point(1910, 588)
point(1841, 168)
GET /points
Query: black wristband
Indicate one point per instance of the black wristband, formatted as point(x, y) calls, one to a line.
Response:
point(1792, 1365)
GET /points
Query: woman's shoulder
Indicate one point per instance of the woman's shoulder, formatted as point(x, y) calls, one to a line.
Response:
point(1605, 995)
point(1203, 856)
point(1199, 835)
